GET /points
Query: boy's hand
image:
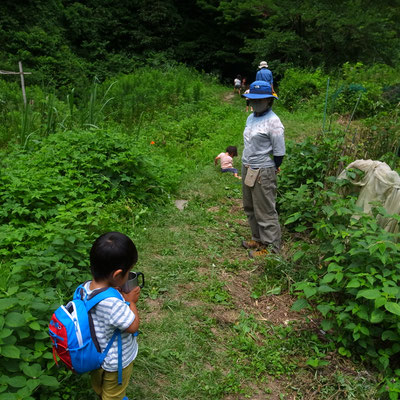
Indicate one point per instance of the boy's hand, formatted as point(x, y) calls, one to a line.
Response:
point(133, 295)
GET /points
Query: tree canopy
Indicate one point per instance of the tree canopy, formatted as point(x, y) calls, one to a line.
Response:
point(64, 39)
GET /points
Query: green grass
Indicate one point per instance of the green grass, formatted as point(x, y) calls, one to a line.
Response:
point(204, 335)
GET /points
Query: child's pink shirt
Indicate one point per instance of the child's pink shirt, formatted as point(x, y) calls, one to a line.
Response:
point(226, 160)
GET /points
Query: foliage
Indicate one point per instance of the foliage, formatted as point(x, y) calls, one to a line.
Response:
point(129, 100)
point(309, 35)
point(357, 89)
point(299, 86)
point(302, 185)
point(357, 291)
point(68, 44)
point(52, 202)
point(354, 280)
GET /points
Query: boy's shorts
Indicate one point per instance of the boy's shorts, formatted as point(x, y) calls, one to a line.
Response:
point(105, 383)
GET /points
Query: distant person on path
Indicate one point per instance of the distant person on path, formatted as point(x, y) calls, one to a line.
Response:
point(226, 160)
point(264, 149)
point(237, 84)
point(112, 256)
point(248, 102)
point(264, 74)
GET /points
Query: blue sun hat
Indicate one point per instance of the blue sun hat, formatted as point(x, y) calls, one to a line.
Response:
point(260, 90)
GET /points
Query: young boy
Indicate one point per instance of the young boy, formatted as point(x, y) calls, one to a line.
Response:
point(112, 256)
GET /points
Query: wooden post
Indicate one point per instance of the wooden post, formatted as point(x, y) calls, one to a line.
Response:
point(21, 72)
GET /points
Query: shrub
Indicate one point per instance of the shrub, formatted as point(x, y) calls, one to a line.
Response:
point(358, 290)
point(299, 86)
point(51, 204)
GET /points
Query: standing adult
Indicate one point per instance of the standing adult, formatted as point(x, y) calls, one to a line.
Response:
point(264, 74)
point(264, 149)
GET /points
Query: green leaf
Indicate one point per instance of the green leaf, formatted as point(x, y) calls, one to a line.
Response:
point(370, 294)
point(294, 217)
point(391, 335)
point(344, 352)
point(377, 316)
point(324, 309)
point(298, 255)
point(17, 381)
point(8, 396)
point(364, 330)
point(313, 362)
point(10, 351)
point(325, 289)
point(384, 360)
point(299, 305)
point(354, 283)
point(5, 333)
point(393, 308)
point(380, 302)
point(274, 291)
point(309, 291)
point(14, 320)
point(7, 303)
point(33, 371)
point(35, 326)
point(32, 384)
point(328, 278)
point(47, 380)
point(326, 325)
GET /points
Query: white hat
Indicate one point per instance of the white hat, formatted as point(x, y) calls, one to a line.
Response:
point(263, 64)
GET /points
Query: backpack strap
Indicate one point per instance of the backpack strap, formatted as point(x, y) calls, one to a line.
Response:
point(90, 301)
point(102, 294)
point(117, 334)
point(96, 296)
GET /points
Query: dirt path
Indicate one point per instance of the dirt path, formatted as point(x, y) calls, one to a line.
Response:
point(217, 325)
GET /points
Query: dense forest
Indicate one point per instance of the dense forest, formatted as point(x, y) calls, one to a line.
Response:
point(65, 41)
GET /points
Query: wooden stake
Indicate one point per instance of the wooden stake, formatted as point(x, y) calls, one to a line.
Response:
point(22, 82)
point(21, 73)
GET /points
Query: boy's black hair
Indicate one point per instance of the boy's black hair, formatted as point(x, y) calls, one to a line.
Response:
point(232, 151)
point(112, 251)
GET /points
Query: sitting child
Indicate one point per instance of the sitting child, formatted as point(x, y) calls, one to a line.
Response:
point(227, 161)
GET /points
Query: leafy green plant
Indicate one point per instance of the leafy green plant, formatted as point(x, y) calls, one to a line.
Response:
point(51, 207)
point(216, 293)
point(357, 292)
point(299, 85)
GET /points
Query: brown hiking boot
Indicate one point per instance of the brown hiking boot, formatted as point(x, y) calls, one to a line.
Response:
point(258, 253)
point(251, 244)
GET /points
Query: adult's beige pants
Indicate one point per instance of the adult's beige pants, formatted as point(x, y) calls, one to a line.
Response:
point(259, 203)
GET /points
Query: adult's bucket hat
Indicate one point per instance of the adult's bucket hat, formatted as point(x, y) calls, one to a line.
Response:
point(263, 64)
point(260, 90)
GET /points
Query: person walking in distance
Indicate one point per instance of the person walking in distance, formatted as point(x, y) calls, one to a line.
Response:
point(237, 84)
point(264, 74)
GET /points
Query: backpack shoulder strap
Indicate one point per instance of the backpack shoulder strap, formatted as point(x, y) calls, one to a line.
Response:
point(96, 296)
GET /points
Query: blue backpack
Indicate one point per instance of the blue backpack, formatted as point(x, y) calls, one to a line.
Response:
point(72, 332)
